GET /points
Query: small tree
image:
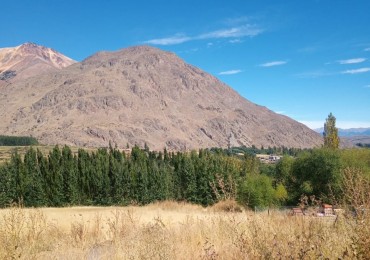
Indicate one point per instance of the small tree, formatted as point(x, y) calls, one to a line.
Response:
point(331, 139)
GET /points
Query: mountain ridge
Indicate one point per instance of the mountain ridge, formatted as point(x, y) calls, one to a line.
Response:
point(142, 95)
point(349, 132)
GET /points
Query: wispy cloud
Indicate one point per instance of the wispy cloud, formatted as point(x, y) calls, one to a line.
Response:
point(352, 61)
point(367, 86)
point(241, 31)
point(356, 71)
point(280, 112)
point(229, 72)
point(190, 50)
point(235, 41)
point(247, 30)
point(176, 39)
point(273, 63)
point(367, 49)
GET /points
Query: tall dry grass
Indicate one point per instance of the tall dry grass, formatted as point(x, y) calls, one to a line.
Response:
point(171, 230)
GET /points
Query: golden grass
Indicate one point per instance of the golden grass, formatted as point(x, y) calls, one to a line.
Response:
point(169, 230)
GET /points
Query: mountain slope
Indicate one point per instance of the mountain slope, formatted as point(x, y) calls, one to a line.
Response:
point(29, 59)
point(142, 94)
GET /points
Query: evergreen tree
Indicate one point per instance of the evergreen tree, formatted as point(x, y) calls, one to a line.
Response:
point(55, 177)
point(69, 173)
point(331, 139)
point(6, 188)
point(18, 177)
point(33, 194)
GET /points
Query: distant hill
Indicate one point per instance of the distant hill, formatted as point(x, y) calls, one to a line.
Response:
point(28, 60)
point(142, 95)
point(358, 140)
point(352, 136)
point(349, 132)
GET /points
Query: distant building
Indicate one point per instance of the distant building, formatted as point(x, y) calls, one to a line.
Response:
point(265, 158)
point(274, 158)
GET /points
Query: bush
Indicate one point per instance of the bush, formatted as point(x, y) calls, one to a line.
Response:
point(227, 206)
point(257, 190)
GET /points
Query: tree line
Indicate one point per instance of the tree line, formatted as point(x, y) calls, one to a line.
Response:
point(17, 140)
point(111, 177)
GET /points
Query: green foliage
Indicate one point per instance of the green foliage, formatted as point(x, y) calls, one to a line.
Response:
point(331, 139)
point(253, 150)
point(257, 190)
point(363, 145)
point(283, 170)
point(356, 158)
point(111, 177)
point(281, 194)
point(17, 140)
point(316, 173)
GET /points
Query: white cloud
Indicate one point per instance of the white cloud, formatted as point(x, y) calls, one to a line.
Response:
point(273, 63)
point(241, 31)
point(367, 49)
point(176, 39)
point(356, 71)
point(248, 30)
point(352, 61)
point(367, 86)
point(230, 72)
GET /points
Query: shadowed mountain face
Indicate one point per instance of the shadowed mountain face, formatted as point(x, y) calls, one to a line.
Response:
point(142, 95)
point(27, 60)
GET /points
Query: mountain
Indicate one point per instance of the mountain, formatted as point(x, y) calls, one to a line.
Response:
point(354, 132)
point(29, 59)
point(350, 132)
point(142, 95)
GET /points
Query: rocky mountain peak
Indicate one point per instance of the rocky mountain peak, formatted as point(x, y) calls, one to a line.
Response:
point(29, 59)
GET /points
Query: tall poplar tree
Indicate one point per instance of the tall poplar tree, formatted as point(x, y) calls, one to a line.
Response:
point(331, 139)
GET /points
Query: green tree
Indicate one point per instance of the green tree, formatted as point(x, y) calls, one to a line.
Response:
point(69, 173)
point(7, 187)
point(33, 186)
point(331, 139)
point(283, 170)
point(316, 173)
point(55, 177)
point(257, 191)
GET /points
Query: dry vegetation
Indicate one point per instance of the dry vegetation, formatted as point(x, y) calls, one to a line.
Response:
point(170, 230)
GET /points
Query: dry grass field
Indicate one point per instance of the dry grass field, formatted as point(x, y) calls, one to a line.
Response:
point(170, 230)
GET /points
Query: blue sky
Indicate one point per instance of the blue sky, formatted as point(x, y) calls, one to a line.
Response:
point(303, 59)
